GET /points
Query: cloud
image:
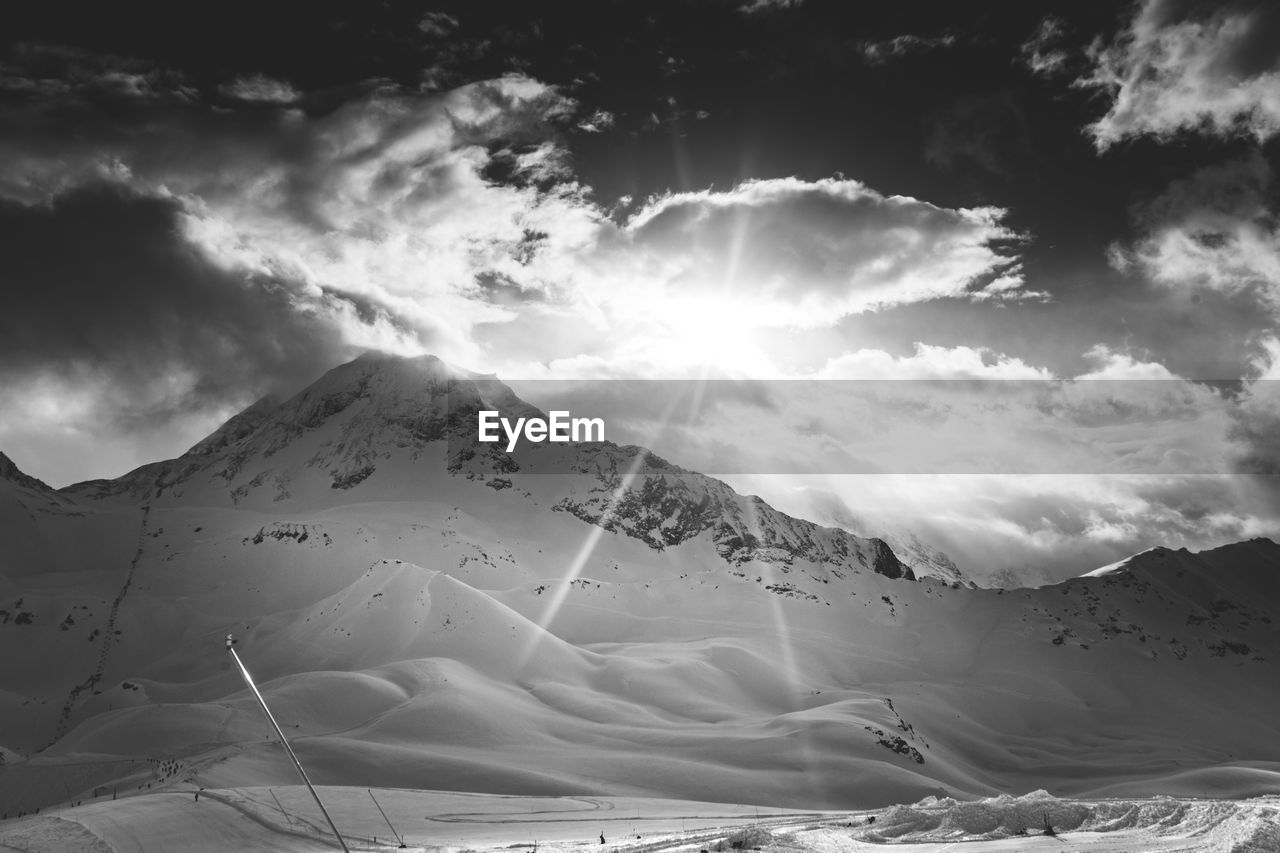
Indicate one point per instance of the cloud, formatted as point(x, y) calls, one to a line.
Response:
point(260, 88)
point(1112, 365)
point(787, 252)
point(930, 362)
point(751, 7)
point(458, 215)
point(1228, 428)
point(37, 70)
point(1029, 530)
point(176, 259)
point(1213, 230)
point(1042, 52)
point(1034, 481)
point(389, 198)
point(597, 122)
point(938, 410)
point(1257, 422)
point(880, 52)
point(112, 324)
point(451, 222)
point(1169, 72)
point(1030, 480)
point(437, 24)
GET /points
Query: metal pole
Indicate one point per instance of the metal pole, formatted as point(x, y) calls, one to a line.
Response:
point(248, 679)
point(387, 819)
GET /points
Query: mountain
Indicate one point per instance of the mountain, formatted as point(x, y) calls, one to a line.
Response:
point(425, 612)
point(923, 559)
point(1241, 578)
point(10, 474)
point(368, 429)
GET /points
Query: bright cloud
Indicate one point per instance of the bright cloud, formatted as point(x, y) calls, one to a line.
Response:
point(930, 362)
point(1169, 73)
point(1109, 364)
point(385, 199)
point(452, 211)
point(787, 252)
point(1212, 230)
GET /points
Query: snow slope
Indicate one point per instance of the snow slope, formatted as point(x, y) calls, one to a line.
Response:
point(284, 819)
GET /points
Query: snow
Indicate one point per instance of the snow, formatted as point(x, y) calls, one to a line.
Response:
point(285, 819)
point(1117, 566)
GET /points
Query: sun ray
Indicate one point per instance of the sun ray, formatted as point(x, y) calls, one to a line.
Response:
point(785, 646)
point(592, 539)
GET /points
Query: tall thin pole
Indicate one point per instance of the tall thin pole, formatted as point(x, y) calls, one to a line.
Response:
point(387, 819)
point(248, 679)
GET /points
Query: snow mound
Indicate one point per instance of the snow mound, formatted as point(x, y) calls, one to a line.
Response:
point(998, 817)
point(1214, 825)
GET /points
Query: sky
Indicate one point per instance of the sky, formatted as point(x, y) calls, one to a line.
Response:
point(199, 206)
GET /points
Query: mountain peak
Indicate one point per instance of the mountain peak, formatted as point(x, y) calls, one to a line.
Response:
point(369, 409)
point(1242, 571)
point(1120, 566)
point(384, 427)
point(11, 472)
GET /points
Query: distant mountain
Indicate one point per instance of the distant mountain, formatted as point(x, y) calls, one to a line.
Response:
point(923, 559)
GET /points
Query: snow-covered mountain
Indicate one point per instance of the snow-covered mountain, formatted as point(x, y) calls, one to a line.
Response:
point(383, 426)
point(424, 612)
point(924, 559)
point(10, 473)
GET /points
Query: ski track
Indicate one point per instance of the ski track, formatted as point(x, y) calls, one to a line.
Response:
point(108, 636)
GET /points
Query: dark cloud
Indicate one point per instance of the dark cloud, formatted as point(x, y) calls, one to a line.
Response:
point(100, 285)
point(34, 72)
point(1256, 428)
point(500, 289)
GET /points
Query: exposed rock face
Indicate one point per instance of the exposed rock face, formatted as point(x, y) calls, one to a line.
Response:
point(664, 505)
point(924, 560)
point(886, 563)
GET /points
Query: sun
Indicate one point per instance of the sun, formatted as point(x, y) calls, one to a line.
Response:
point(712, 340)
